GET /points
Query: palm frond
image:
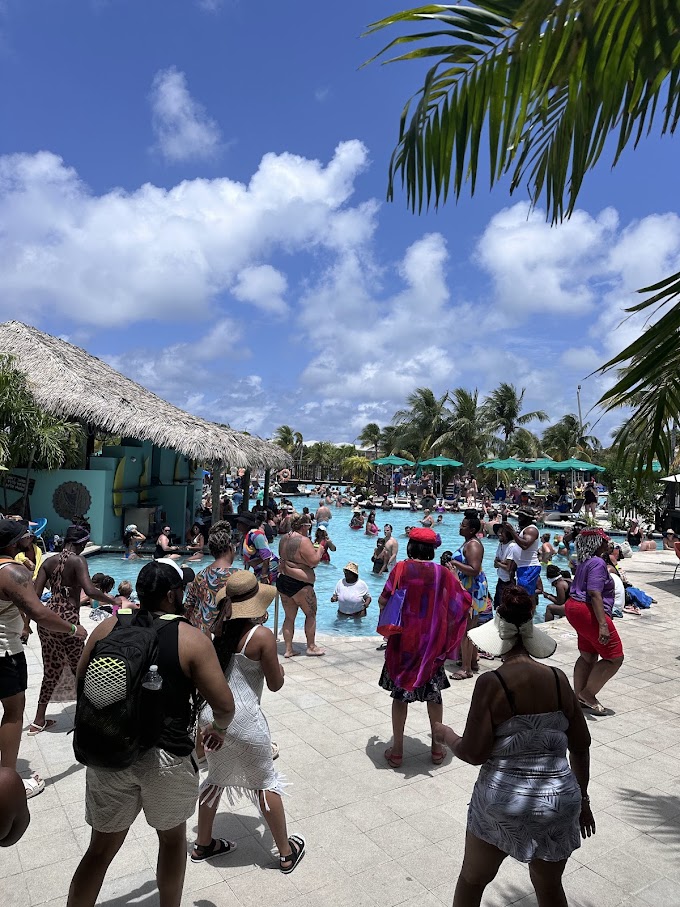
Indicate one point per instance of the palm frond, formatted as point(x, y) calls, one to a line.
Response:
point(543, 83)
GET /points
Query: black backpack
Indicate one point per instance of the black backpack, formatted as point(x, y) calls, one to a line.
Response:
point(116, 718)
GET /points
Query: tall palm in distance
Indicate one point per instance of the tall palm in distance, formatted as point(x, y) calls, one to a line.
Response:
point(503, 411)
point(420, 426)
point(466, 436)
point(567, 438)
point(285, 438)
point(545, 88)
point(371, 436)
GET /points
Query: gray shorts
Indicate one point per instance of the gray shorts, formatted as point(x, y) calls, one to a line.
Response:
point(165, 786)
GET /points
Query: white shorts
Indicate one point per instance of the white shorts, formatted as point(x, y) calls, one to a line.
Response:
point(165, 786)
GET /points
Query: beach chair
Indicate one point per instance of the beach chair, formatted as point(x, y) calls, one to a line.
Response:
point(676, 547)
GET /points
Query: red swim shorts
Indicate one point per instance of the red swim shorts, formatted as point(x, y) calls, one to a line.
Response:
point(582, 618)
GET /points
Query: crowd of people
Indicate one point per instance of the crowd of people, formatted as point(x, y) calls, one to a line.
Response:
point(213, 654)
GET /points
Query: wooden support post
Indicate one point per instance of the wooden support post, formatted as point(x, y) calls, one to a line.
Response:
point(265, 493)
point(216, 490)
point(246, 489)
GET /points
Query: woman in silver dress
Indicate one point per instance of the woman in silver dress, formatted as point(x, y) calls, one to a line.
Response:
point(528, 803)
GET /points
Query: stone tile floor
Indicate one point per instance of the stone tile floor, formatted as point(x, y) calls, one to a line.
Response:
point(379, 837)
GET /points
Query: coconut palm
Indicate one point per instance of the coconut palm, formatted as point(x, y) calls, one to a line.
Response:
point(523, 445)
point(567, 438)
point(544, 85)
point(389, 440)
point(421, 425)
point(371, 436)
point(285, 437)
point(503, 411)
point(467, 437)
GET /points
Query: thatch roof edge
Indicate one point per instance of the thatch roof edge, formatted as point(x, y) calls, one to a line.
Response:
point(70, 382)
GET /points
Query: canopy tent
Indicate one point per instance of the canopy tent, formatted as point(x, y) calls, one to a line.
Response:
point(675, 478)
point(440, 462)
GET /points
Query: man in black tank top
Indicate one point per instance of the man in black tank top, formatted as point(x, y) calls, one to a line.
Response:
point(164, 780)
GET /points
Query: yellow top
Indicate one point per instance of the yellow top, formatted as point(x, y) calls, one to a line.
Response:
point(37, 559)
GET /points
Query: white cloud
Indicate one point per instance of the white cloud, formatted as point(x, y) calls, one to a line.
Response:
point(264, 287)
point(536, 267)
point(321, 94)
point(183, 129)
point(581, 358)
point(123, 256)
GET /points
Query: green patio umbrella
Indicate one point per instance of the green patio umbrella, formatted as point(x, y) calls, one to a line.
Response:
point(499, 464)
point(441, 462)
point(392, 461)
point(579, 466)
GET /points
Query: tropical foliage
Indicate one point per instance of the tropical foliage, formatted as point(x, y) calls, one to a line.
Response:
point(503, 410)
point(567, 438)
point(31, 438)
point(543, 85)
point(371, 436)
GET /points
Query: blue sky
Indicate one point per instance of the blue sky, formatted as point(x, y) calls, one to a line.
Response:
point(195, 191)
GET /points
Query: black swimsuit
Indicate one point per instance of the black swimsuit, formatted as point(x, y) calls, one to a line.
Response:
point(289, 586)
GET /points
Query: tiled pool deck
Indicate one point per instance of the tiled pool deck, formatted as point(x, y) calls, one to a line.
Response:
point(378, 837)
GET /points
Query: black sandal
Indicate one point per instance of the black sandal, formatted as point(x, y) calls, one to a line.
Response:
point(297, 846)
point(218, 847)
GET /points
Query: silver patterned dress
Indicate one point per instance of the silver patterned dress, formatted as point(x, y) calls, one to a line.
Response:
point(526, 800)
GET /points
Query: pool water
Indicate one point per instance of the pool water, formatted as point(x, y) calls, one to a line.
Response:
point(352, 545)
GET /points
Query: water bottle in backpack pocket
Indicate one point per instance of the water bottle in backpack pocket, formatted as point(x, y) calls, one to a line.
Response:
point(120, 710)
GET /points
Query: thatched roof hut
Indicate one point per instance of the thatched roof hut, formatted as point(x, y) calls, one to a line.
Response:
point(67, 381)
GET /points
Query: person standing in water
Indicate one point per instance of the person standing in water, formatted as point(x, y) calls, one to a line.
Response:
point(295, 582)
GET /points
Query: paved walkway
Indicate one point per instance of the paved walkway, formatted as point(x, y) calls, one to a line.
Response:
point(378, 837)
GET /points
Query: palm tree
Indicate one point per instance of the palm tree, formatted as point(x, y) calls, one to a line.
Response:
point(298, 448)
point(389, 438)
point(523, 444)
point(357, 468)
point(567, 438)
point(419, 427)
point(545, 86)
point(284, 437)
point(467, 437)
point(370, 437)
point(503, 411)
point(321, 454)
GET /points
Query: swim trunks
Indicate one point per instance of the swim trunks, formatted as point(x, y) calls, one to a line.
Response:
point(289, 586)
point(527, 578)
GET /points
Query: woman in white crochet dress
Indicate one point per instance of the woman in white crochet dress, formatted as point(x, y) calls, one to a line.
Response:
point(244, 764)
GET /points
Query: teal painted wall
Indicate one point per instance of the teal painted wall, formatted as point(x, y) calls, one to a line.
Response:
point(107, 527)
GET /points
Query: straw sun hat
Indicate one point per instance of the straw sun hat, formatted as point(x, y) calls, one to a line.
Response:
point(248, 598)
point(498, 637)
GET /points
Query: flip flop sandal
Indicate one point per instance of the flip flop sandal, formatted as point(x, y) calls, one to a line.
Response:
point(33, 785)
point(485, 655)
point(437, 757)
point(381, 647)
point(218, 847)
point(35, 729)
point(297, 846)
point(275, 751)
point(598, 708)
point(461, 675)
point(394, 761)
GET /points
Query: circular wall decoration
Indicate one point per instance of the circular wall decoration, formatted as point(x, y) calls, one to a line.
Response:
point(71, 499)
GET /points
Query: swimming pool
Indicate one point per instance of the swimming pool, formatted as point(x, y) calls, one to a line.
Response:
point(352, 545)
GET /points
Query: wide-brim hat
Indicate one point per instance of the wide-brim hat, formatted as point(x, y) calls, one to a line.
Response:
point(11, 531)
point(498, 637)
point(248, 598)
point(352, 568)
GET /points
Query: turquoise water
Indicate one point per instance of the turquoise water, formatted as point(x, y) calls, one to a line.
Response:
point(352, 545)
